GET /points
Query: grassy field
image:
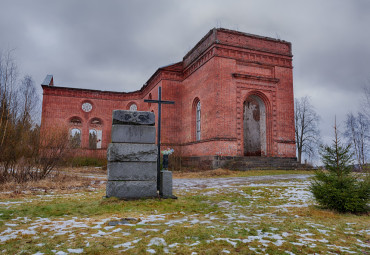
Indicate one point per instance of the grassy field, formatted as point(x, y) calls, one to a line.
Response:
point(234, 215)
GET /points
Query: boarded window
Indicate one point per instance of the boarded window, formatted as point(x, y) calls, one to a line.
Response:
point(75, 138)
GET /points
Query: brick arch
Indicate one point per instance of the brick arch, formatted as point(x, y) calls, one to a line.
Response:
point(75, 121)
point(262, 96)
point(268, 115)
point(95, 121)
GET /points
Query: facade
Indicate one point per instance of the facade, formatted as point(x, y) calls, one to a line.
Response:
point(233, 96)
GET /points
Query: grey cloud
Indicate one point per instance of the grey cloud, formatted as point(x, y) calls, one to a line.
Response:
point(118, 45)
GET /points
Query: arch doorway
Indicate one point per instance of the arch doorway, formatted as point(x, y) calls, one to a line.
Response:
point(254, 126)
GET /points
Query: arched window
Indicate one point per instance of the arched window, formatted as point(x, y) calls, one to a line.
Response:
point(133, 107)
point(197, 121)
point(75, 137)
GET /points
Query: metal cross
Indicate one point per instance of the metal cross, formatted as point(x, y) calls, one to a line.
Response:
point(159, 102)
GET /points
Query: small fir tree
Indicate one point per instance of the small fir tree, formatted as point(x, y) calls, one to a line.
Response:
point(336, 187)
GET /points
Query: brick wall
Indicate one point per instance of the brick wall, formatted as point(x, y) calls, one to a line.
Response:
point(222, 71)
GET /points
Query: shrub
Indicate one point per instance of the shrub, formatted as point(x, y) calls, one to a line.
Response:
point(30, 157)
point(336, 187)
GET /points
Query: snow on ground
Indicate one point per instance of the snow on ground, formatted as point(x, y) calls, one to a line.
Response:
point(285, 192)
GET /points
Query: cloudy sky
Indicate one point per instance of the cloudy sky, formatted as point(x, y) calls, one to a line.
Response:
point(118, 45)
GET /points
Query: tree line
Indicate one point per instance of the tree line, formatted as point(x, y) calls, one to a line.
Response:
point(356, 130)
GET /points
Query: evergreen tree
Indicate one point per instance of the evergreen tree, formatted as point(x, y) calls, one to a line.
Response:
point(336, 187)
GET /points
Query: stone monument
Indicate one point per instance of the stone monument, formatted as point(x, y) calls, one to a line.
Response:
point(132, 156)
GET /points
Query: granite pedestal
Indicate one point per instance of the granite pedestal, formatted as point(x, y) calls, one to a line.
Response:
point(132, 156)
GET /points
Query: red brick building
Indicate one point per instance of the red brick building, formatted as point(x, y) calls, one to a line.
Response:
point(233, 96)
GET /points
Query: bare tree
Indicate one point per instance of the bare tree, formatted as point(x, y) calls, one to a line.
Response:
point(366, 100)
point(24, 155)
point(307, 131)
point(357, 133)
point(8, 79)
point(29, 101)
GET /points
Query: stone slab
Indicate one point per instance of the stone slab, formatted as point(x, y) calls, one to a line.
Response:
point(133, 134)
point(166, 183)
point(131, 171)
point(123, 117)
point(132, 152)
point(131, 189)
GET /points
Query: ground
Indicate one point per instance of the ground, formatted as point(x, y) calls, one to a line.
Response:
point(259, 212)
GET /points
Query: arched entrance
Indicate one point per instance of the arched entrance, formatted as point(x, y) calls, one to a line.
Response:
point(254, 126)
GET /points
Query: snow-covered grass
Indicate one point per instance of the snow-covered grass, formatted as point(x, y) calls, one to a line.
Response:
point(247, 215)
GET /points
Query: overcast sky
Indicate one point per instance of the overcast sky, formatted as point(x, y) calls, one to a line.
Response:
point(118, 45)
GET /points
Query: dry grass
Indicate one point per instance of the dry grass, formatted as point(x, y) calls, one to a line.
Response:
point(61, 183)
point(84, 170)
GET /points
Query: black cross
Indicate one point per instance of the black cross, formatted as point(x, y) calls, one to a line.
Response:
point(159, 102)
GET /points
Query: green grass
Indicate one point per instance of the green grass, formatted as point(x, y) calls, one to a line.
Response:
point(206, 221)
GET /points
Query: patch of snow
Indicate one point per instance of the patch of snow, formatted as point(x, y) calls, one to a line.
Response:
point(228, 240)
point(60, 253)
point(173, 245)
point(11, 203)
point(158, 241)
point(127, 245)
point(75, 250)
point(147, 229)
point(194, 244)
point(100, 233)
point(152, 218)
point(10, 225)
point(289, 252)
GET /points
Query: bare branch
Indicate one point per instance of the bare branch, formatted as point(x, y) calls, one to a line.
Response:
point(306, 128)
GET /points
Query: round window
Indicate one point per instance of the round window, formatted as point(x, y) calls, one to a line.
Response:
point(86, 107)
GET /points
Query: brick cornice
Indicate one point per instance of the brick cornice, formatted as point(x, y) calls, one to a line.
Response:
point(89, 93)
point(252, 55)
point(159, 75)
point(254, 77)
point(196, 64)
